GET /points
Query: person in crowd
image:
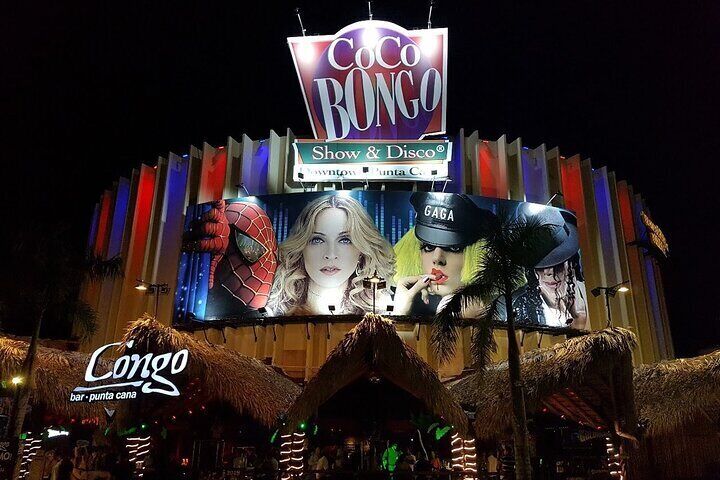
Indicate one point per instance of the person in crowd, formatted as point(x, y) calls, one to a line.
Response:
point(411, 457)
point(404, 467)
point(323, 465)
point(339, 463)
point(440, 254)
point(63, 468)
point(435, 461)
point(507, 462)
point(390, 457)
point(314, 458)
point(331, 248)
point(81, 460)
point(555, 291)
point(492, 466)
point(51, 457)
point(121, 469)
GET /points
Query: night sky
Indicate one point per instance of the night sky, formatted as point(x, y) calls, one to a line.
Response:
point(90, 90)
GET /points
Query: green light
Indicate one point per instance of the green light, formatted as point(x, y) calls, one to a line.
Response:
point(315, 430)
point(441, 432)
point(144, 426)
point(303, 426)
point(274, 436)
point(23, 436)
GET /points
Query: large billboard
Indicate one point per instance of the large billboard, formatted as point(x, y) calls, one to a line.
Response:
point(373, 80)
point(308, 254)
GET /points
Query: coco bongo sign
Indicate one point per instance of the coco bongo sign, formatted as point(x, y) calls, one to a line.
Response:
point(374, 80)
point(131, 374)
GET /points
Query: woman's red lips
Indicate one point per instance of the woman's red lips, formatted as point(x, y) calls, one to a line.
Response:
point(330, 270)
point(440, 276)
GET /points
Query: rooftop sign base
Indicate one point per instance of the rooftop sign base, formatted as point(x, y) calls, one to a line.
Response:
point(377, 160)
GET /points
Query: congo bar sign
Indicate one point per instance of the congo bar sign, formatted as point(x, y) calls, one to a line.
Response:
point(131, 374)
point(371, 160)
point(374, 80)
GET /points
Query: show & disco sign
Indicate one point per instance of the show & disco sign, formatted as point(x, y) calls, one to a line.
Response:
point(371, 160)
point(308, 253)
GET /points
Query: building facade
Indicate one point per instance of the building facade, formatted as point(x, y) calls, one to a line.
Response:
point(144, 218)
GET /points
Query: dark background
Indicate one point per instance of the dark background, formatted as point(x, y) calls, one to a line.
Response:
point(90, 90)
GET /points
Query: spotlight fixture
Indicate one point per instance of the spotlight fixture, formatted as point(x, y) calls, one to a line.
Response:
point(374, 283)
point(610, 292)
point(156, 289)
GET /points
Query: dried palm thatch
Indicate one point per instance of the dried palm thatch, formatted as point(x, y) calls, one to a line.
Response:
point(676, 393)
point(246, 384)
point(587, 379)
point(374, 347)
point(57, 373)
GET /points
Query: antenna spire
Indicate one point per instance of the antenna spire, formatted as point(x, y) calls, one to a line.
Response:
point(302, 28)
point(432, 3)
point(370, 9)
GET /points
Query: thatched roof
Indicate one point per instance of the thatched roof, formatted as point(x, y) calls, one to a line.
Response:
point(57, 373)
point(246, 384)
point(675, 393)
point(587, 379)
point(374, 347)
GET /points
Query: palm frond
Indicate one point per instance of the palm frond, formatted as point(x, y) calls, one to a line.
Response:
point(483, 344)
point(446, 323)
point(96, 268)
point(84, 319)
point(512, 245)
point(527, 241)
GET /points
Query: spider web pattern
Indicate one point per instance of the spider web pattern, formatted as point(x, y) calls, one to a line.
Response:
point(250, 283)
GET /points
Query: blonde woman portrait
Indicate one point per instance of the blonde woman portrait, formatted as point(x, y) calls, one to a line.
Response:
point(440, 254)
point(332, 246)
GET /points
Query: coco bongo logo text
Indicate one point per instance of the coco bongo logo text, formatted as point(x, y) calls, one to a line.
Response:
point(131, 374)
point(374, 80)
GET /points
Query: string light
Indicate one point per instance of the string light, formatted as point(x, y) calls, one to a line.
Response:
point(286, 454)
point(30, 448)
point(613, 460)
point(138, 450)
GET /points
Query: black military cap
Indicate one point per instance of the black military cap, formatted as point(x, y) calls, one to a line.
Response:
point(565, 241)
point(447, 219)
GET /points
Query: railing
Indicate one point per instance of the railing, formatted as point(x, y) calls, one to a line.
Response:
point(266, 321)
point(249, 474)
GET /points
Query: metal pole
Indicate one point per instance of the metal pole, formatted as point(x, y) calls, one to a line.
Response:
point(374, 289)
point(607, 306)
point(157, 300)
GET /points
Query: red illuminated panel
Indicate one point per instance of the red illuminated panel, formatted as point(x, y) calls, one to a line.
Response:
point(573, 189)
point(141, 222)
point(130, 300)
point(488, 168)
point(213, 175)
point(101, 240)
point(626, 213)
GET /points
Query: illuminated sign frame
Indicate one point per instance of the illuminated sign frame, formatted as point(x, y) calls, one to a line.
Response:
point(656, 238)
point(427, 46)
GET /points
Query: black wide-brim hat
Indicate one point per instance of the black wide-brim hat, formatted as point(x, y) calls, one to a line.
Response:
point(448, 219)
point(565, 241)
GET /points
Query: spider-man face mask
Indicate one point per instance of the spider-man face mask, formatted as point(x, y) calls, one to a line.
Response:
point(248, 268)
